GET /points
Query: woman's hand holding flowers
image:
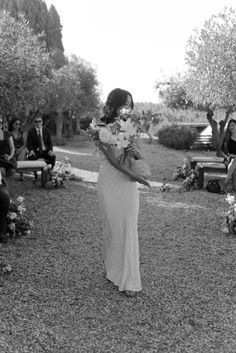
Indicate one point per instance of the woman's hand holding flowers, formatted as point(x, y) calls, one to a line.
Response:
point(123, 135)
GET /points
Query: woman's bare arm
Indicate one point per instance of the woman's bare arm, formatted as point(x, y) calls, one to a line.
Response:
point(107, 150)
point(12, 148)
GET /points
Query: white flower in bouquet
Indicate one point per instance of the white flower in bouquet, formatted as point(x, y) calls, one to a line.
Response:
point(8, 268)
point(12, 227)
point(129, 127)
point(67, 165)
point(122, 140)
point(20, 199)
point(12, 216)
point(229, 225)
point(21, 209)
point(106, 136)
point(230, 199)
point(225, 230)
point(93, 124)
point(57, 167)
point(122, 134)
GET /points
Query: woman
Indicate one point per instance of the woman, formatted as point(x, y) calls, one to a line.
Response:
point(119, 200)
point(229, 153)
point(8, 163)
point(18, 139)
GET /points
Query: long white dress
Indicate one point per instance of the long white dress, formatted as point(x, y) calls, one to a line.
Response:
point(119, 201)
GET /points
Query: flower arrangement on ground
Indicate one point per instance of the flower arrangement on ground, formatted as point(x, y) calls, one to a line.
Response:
point(60, 173)
point(188, 176)
point(17, 223)
point(123, 134)
point(164, 189)
point(229, 224)
point(4, 266)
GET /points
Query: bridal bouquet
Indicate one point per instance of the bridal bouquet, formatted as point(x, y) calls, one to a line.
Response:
point(229, 225)
point(122, 134)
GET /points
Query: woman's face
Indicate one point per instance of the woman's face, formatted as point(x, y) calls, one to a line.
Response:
point(126, 108)
point(16, 124)
point(232, 126)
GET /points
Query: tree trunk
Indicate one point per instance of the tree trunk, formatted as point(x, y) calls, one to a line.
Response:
point(59, 125)
point(70, 130)
point(150, 141)
point(217, 130)
point(77, 119)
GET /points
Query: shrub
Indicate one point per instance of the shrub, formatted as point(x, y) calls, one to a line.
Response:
point(177, 137)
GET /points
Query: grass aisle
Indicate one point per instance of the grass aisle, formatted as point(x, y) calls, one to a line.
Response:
point(57, 299)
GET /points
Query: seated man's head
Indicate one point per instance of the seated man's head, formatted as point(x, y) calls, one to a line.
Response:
point(38, 122)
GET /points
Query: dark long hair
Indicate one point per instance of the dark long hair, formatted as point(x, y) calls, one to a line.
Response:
point(12, 122)
point(227, 132)
point(116, 98)
point(227, 136)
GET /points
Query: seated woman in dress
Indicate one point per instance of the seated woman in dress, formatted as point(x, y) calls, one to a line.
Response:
point(18, 139)
point(229, 153)
point(119, 201)
point(8, 163)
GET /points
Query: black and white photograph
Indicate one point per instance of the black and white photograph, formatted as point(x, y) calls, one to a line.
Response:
point(117, 176)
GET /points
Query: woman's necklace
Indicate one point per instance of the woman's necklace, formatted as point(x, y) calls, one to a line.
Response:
point(15, 133)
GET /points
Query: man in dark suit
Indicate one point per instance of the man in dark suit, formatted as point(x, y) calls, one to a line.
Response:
point(39, 143)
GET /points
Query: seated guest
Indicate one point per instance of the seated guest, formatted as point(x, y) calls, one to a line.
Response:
point(18, 139)
point(4, 207)
point(39, 143)
point(8, 162)
point(229, 153)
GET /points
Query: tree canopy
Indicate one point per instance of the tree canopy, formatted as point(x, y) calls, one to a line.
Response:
point(32, 79)
point(210, 80)
point(211, 60)
point(24, 65)
point(173, 93)
point(74, 87)
point(43, 21)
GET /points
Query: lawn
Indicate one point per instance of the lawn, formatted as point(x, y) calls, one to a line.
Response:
point(163, 161)
point(57, 300)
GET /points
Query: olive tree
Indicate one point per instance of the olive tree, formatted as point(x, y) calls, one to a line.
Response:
point(24, 66)
point(71, 88)
point(211, 58)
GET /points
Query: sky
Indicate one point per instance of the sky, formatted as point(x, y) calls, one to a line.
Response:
point(133, 43)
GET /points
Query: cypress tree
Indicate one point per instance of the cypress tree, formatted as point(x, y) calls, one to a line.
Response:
point(12, 6)
point(41, 20)
point(55, 29)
